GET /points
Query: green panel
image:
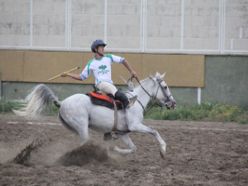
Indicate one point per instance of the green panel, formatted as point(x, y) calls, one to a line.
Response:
point(226, 80)
point(184, 96)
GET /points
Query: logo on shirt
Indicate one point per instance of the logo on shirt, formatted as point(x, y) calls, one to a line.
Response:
point(103, 69)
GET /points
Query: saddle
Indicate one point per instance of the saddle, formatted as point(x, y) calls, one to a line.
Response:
point(98, 98)
point(108, 101)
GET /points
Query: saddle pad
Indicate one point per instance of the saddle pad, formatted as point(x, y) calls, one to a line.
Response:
point(98, 98)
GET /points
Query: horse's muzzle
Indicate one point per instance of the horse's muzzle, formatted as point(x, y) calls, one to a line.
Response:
point(170, 104)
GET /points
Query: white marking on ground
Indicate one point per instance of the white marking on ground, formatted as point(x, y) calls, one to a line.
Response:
point(213, 129)
point(33, 123)
point(200, 128)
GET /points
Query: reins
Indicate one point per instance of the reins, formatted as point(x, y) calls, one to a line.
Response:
point(152, 97)
point(142, 86)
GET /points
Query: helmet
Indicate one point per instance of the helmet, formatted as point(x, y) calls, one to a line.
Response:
point(96, 44)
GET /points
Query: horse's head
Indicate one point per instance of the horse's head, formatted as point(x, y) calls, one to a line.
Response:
point(162, 92)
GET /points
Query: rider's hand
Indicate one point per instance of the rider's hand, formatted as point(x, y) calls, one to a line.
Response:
point(63, 75)
point(134, 74)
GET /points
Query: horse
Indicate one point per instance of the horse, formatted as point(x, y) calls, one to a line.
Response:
point(77, 113)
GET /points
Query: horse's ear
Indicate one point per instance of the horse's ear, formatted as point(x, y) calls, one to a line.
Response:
point(162, 76)
point(157, 74)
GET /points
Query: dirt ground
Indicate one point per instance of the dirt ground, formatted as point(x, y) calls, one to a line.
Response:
point(198, 153)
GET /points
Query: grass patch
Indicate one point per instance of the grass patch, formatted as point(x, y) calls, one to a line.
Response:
point(7, 106)
point(203, 112)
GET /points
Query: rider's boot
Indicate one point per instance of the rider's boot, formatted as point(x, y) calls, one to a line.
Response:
point(124, 99)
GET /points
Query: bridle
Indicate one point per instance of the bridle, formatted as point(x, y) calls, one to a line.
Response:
point(153, 97)
point(163, 89)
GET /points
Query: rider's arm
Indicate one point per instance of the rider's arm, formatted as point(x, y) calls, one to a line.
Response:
point(74, 76)
point(82, 76)
point(130, 69)
point(122, 60)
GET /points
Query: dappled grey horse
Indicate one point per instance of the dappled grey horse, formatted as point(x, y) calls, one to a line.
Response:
point(78, 114)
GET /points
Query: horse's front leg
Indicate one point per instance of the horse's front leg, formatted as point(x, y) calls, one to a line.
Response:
point(144, 129)
point(127, 140)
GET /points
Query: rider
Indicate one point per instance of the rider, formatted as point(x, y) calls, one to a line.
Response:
point(100, 66)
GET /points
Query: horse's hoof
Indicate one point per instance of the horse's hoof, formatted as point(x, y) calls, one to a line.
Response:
point(162, 152)
point(107, 136)
point(110, 135)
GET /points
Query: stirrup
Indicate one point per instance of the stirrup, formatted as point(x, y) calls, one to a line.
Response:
point(132, 101)
point(110, 135)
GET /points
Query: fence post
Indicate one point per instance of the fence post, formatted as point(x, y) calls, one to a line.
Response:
point(199, 96)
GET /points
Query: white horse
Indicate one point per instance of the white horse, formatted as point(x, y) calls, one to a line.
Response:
point(78, 114)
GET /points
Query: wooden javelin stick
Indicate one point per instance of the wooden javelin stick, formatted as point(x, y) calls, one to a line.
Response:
point(59, 75)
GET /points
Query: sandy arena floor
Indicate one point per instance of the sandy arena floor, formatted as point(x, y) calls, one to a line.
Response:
point(198, 153)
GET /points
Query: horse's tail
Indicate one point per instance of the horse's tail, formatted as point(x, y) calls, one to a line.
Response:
point(40, 97)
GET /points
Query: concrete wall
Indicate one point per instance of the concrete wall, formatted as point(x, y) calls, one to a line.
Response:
point(236, 25)
point(14, 23)
point(178, 26)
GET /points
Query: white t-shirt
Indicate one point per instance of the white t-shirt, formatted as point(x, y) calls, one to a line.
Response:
point(101, 68)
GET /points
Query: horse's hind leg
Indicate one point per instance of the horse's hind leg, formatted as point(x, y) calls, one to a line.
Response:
point(127, 140)
point(78, 125)
point(83, 130)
